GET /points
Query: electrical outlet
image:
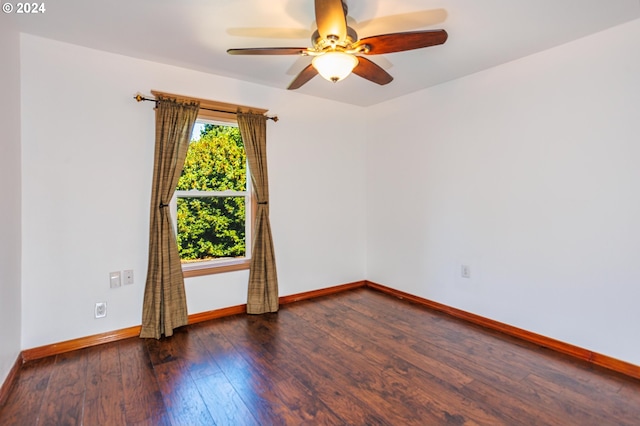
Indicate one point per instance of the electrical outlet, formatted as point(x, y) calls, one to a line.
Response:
point(101, 309)
point(127, 276)
point(114, 279)
point(465, 271)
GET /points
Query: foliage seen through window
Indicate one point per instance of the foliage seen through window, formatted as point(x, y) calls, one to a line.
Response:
point(213, 226)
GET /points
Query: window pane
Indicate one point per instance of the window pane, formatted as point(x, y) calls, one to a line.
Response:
point(215, 161)
point(211, 228)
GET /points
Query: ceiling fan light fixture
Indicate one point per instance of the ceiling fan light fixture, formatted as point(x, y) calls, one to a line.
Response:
point(334, 65)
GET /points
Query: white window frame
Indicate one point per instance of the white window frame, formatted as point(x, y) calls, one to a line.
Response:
point(214, 266)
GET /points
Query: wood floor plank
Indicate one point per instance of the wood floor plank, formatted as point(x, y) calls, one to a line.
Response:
point(552, 398)
point(223, 402)
point(378, 385)
point(468, 341)
point(299, 356)
point(104, 400)
point(25, 400)
point(517, 394)
point(261, 336)
point(480, 384)
point(406, 375)
point(186, 356)
point(631, 390)
point(254, 389)
point(558, 370)
point(504, 355)
point(587, 407)
point(64, 398)
point(181, 395)
point(143, 400)
point(405, 346)
point(186, 346)
point(447, 383)
point(526, 357)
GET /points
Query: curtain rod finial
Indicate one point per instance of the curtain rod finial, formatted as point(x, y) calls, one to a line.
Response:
point(138, 97)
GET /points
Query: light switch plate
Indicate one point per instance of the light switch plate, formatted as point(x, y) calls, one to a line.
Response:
point(115, 279)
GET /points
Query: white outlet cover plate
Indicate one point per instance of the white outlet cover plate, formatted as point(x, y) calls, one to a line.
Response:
point(465, 271)
point(101, 309)
point(127, 277)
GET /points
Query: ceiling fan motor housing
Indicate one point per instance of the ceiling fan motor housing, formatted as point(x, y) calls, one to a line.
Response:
point(331, 42)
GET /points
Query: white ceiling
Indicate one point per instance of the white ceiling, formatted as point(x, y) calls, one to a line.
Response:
point(196, 33)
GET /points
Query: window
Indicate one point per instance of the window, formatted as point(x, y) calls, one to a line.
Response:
point(213, 201)
point(224, 208)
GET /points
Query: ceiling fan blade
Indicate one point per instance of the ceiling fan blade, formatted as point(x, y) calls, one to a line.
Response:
point(331, 19)
point(399, 42)
point(305, 75)
point(268, 51)
point(372, 71)
point(402, 22)
point(269, 32)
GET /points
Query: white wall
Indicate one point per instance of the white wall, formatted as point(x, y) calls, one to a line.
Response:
point(10, 238)
point(87, 165)
point(528, 173)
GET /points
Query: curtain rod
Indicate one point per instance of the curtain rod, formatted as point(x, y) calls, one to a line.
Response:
point(141, 98)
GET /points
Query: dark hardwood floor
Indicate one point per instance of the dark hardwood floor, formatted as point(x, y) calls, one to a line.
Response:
point(355, 358)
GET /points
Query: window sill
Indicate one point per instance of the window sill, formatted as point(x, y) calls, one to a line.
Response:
point(214, 267)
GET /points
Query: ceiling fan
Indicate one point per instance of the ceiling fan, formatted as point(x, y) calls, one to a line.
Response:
point(336, 49)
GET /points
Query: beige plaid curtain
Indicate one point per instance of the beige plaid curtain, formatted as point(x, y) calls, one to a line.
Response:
point(263, 281)
point(165, 304)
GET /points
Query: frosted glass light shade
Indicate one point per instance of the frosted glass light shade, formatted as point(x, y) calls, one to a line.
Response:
point(334, 66)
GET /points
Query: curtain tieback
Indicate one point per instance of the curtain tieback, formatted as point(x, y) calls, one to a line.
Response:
point(162, 205)
point(263, 202)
